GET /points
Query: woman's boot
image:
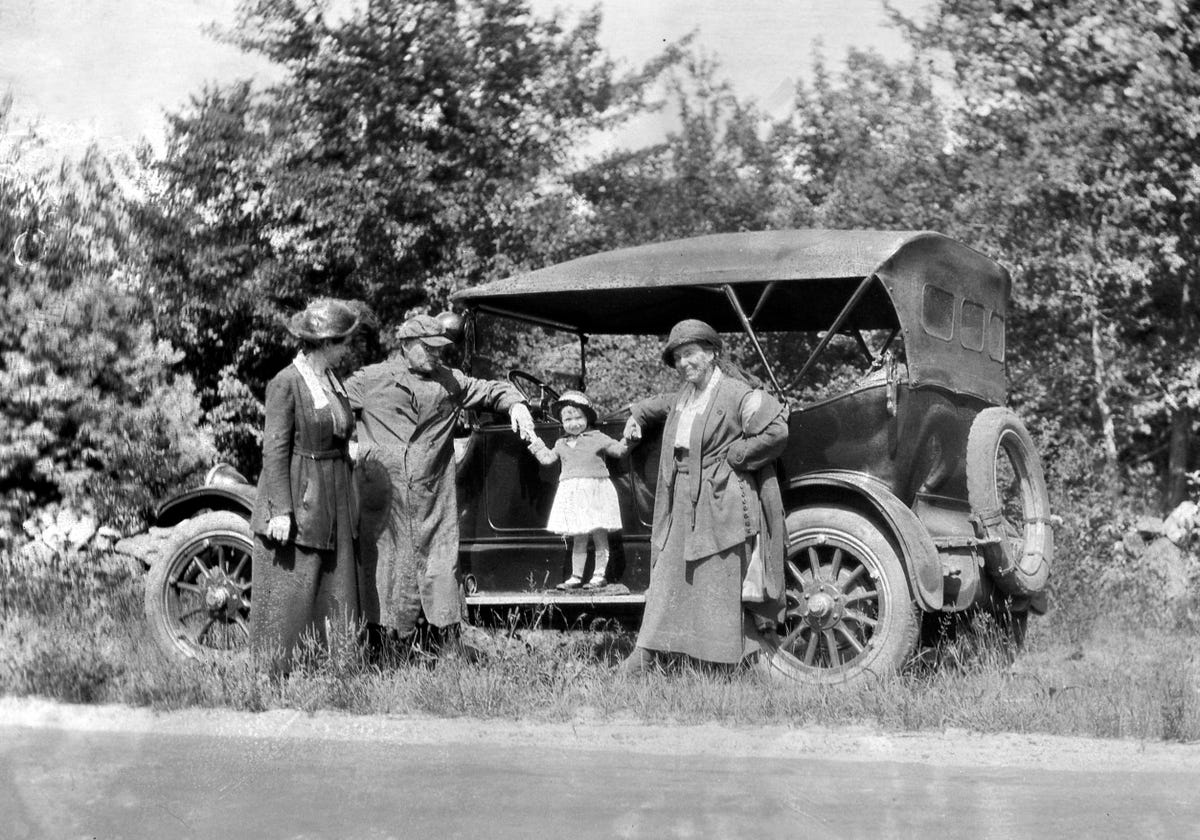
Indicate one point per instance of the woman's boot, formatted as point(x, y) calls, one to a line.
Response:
point(641, 661)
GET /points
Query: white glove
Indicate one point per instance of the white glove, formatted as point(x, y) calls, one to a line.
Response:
point(279, 528)
point(632, 430)
point(522, 421)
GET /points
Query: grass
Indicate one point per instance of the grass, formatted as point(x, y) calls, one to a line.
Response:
point(75, 632)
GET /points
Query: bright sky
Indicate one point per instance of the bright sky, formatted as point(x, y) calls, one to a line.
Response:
point(108, 69)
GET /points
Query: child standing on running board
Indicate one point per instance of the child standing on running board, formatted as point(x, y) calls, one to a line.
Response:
point(585, 503)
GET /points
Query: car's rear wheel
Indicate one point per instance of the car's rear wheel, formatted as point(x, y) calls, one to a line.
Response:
point(849, 611)
point(198, 593)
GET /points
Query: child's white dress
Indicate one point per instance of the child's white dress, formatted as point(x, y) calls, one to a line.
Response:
point(586, 500)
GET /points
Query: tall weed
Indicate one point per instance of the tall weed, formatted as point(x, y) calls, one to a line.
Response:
point(77, 635)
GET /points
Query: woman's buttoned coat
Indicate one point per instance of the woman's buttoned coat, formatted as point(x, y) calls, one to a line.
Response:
point(309, 582)
point(304, 465)
point(710, 511)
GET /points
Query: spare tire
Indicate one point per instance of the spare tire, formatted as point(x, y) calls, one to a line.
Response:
point(1009, 502)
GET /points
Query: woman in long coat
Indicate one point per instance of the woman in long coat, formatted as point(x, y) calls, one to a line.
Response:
point(717, 544)
point(305, 519)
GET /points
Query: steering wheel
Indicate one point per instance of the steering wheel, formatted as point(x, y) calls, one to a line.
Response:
point(533, 389)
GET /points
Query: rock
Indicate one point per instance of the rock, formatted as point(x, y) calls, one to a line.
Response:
point(1133, 543)
point(81, 532)
point(136, 545)
point(106, 537)
point(54, 537)
point(1170, 564)
point(65, 520)
point(146, 547)
point(1181, 523)
point(1149, 526)
point(38, 551)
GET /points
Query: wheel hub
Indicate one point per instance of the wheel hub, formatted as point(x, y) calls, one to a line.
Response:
point(824, 607)
point(222, 595)
point(820, 605)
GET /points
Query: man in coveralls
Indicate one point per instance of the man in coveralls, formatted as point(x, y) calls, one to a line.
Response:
point(407, 409)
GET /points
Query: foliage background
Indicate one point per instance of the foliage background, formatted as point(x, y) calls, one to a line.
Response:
point(421, 146)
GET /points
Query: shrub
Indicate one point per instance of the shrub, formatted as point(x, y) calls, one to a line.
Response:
point(90, 402)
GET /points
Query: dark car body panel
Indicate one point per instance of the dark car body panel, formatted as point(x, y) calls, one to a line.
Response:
point(506, 545)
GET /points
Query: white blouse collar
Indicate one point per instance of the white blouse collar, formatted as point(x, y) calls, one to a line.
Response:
point(311, 380)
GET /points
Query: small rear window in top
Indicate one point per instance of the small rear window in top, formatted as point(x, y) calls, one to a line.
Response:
point(937, 315)
point(995, 338)
point(971, 333)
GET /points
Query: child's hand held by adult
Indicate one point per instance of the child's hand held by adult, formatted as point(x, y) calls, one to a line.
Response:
point(633, 431)
point(522, 421)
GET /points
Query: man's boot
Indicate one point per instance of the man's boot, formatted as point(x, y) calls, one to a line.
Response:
point(451, 645)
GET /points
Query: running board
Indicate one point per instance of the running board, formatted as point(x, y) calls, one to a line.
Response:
point(553, 599)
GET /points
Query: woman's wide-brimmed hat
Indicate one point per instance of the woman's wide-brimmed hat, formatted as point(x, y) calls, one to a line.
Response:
point(579, 400)
point(325, 319)
point(689, 331)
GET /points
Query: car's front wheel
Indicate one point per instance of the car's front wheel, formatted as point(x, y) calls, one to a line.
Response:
point(198, 593)
point(849, 612)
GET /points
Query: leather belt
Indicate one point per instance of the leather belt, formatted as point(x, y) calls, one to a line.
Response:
point(321, 454)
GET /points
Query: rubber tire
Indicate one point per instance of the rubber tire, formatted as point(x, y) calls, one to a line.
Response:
point(994, 429)
point(894, 638)
point(158, 582)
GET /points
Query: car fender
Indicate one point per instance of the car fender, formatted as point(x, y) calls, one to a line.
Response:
point(917, 550)
point(238, 498)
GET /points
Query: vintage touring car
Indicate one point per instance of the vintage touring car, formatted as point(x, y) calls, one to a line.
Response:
point(911, 491)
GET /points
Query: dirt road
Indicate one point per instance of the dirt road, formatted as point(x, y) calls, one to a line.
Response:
point(111, 772)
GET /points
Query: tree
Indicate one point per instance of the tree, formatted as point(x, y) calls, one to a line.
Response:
point(408, 149)
point(726, 168)
point(875, 146)
point(91, 409)
point(1078, 134)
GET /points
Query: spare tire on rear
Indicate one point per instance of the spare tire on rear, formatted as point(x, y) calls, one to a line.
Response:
point(1009, 503)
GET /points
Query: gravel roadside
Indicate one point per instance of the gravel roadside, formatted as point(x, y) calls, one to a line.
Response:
point(944, 748)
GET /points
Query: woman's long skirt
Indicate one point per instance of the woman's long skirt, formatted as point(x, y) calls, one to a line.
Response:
point(695, 608)
point(299, 590)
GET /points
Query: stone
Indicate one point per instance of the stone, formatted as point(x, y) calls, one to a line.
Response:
point(81, 532)
point(1149, 526)
point(54, 537)
point(66, 520)
point(1180, 524)
point(1133, 543)
point(1170, 564)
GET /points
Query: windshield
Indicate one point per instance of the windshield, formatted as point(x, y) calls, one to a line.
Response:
point(613, 370)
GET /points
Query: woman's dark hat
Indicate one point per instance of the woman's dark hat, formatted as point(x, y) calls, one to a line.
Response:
point(688, 332)
point(324, 319)
point(579, 400)
point(428, 329)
